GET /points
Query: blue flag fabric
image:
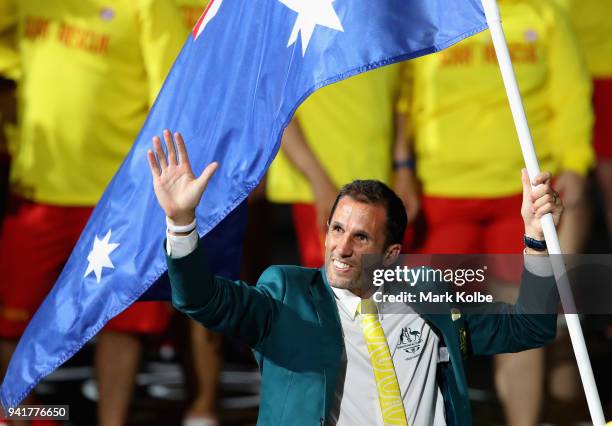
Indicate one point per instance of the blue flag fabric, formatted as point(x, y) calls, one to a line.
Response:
point(231, 92)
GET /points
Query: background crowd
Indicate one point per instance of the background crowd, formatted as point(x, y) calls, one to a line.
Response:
point(78, 77)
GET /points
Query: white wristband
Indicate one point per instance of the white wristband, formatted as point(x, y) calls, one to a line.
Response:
point(180, 229)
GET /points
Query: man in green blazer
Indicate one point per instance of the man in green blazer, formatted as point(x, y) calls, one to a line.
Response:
point(316, 352)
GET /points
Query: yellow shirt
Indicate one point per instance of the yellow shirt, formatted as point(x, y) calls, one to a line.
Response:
point(9, 58)
point(91, 70)
point(349, 127)
point(465, 140)
point(593, 25)
point(191, 10)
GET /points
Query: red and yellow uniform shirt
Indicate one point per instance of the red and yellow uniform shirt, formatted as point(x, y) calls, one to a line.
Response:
point(191, 10)
point(91, 70)
point(592, 21)
point(465, 140)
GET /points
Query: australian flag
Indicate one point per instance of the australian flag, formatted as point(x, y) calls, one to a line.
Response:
point(231, 92)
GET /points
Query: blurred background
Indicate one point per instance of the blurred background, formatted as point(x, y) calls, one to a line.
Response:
point(77, 79)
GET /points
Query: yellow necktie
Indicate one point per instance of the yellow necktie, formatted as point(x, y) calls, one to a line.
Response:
point(389, 395)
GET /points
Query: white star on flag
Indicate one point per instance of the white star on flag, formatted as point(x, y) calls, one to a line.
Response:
point(99, 256)
point(310, 14)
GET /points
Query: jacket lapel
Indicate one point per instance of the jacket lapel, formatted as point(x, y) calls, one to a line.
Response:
point(332, 346)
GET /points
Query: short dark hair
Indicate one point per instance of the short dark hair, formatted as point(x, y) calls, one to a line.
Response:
point(376, 192)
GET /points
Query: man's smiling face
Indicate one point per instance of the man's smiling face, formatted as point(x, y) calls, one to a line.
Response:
point(355, 229)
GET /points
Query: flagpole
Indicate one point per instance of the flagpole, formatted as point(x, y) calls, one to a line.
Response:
point(493, 16)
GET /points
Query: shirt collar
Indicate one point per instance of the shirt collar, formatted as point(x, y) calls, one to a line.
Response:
point(347, 301)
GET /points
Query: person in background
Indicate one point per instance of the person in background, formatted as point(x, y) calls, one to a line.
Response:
point(590, 20)
point(205, 358)
point(90, 70)
point(191, 10)
point(9, 72)
point(463, 139)
point(355, 119)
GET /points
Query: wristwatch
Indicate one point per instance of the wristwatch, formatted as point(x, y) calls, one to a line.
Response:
point(407, 163)
point(532, 243)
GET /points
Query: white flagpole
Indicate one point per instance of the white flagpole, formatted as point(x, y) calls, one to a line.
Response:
point(552, 240)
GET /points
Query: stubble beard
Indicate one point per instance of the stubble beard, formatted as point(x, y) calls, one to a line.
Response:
point(345, 284)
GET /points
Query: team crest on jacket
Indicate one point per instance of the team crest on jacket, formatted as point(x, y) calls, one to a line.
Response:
point(410, 341)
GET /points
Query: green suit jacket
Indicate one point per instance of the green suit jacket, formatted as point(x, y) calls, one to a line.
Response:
point(290, 320)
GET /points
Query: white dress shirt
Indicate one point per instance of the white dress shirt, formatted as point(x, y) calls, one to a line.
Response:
point(414, 349)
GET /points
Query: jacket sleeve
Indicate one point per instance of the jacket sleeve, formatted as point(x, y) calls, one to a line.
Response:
point(230, 307)
point(530, 323)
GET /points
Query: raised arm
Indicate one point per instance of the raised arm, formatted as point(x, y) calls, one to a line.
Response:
point(177, 190)
point(300, 154)
point(230, 307)
point(405, 181)
point(532, 321)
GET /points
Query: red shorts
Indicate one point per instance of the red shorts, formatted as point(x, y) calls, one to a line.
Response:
point(473, 226)
point(602, 132)
point(35, 242)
